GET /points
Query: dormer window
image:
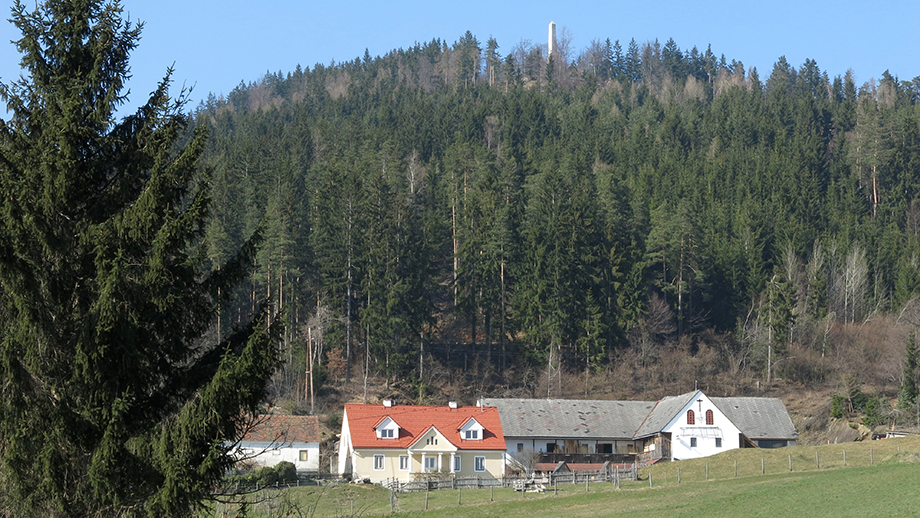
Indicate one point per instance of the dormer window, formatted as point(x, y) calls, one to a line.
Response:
point(471, 430)
point(387, 429)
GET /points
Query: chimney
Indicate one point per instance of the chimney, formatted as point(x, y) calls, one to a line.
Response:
point(452, 404)
point(387, 403)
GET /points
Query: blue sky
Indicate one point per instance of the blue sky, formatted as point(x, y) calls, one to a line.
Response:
point(216, 44)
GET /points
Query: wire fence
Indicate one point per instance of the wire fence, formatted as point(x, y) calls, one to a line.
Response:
point(795, 459)
point(316, 479)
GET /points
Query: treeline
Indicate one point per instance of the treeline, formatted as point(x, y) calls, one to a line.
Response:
point(446, 201)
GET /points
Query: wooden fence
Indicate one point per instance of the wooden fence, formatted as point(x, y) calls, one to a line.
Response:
point(519, 483)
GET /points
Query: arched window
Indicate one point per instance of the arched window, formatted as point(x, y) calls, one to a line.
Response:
point(691, 419)
point(709, 418)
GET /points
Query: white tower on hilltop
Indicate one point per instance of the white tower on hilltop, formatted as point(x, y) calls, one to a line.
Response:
point(552, 39)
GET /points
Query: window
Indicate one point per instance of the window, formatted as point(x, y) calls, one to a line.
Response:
point(431, 463)
point(693, 442)
point(457, 464)
point(718, 442)
point(709, 418)
point(472, 435)
point(605, 448)
point(387, 429)
point(520, 447)
point(550, 447)
point(404, 463)
point(691, 418)
point(304, 455)
point(479, 463)
point(378, 462)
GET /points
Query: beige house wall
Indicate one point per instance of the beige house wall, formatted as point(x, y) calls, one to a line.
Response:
point(363, 464)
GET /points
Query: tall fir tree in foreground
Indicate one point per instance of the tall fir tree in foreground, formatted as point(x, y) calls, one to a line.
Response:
point(112, 401)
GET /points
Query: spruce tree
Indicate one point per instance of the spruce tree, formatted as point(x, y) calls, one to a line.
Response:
point(112, 402)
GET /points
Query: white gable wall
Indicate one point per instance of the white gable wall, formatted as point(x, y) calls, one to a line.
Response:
point(683, 435)
point(346, 462)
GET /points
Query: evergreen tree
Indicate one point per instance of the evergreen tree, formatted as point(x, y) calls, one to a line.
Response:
point(113, 403)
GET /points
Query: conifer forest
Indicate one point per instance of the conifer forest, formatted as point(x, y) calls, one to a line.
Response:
point(510, 219)
point(442, 223)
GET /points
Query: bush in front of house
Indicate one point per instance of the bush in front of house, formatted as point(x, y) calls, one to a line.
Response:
point(280, 473)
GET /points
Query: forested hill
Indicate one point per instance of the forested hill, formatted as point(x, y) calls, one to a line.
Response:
point(449, 203)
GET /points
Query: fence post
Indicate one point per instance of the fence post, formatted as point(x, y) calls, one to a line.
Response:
point(763, 467)
point(491, 492)
point(426, 500)
point(736, 468)
point(817, 461)
point(870, 456)
point(459, 495)
point(790, 463)
point(587, 479)
point(678, 476)
point(649, 479)
point(844, 457)
point(707, 471)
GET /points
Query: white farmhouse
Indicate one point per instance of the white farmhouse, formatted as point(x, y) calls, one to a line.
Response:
point(687, 426)
point(291, 438)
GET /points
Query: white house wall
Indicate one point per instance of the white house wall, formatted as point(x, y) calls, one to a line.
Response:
point(705, 435)
point(261, 454)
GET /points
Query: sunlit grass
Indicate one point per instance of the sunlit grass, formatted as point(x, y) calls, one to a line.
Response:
point(877, 480)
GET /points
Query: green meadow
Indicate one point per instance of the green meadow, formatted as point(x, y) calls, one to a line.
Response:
point(877, 478)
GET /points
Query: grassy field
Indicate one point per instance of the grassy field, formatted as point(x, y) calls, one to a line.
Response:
point(876, 480)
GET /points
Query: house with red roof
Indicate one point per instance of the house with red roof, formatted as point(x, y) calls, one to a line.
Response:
point(403, 442)
point(276, 438)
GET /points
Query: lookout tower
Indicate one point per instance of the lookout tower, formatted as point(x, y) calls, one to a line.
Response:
point(551, 46)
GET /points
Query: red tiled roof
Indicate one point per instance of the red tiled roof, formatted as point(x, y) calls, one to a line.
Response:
point(414, 421)
point(545, 467)
point(285, 428)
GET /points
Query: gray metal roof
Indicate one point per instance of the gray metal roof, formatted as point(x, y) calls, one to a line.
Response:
point(758, 417)
point(570, 418)
point(663, 412)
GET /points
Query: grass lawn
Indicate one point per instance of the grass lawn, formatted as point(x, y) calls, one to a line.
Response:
point(882, 482)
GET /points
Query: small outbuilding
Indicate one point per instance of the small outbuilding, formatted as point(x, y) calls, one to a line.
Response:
point(276, 438)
